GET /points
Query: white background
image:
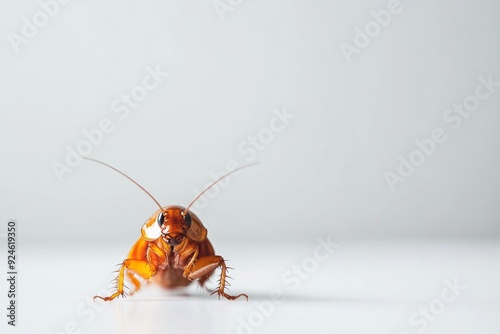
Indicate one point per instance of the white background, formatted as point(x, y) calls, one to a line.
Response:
point(323, 174)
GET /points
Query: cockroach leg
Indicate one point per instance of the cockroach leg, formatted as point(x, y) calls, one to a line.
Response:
point(154, 249)
point(208, 264)
point(135, 282)
point(142, 268)
point(194, 257)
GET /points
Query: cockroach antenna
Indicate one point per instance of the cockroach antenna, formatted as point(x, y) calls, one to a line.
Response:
point(128, 177)
point(214, 183)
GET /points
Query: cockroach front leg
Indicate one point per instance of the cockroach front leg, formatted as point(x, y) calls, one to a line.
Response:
point(143, 268)
point(208, 264)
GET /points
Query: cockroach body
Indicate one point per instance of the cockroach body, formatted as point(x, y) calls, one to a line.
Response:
point(173, 250)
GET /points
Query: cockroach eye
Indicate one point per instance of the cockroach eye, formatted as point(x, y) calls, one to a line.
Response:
point(187, 219)
point(160, 219)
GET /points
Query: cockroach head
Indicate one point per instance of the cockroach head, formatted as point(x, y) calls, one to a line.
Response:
point(173, 223)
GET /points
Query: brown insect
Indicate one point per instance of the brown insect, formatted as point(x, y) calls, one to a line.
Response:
point(173, 250)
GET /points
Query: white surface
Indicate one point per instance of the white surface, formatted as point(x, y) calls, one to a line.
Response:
point(363, 287)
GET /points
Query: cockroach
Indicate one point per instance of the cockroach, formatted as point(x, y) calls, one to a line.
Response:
point(173, 250)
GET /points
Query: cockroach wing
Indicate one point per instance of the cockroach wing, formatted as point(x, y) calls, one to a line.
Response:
point(197, 232)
